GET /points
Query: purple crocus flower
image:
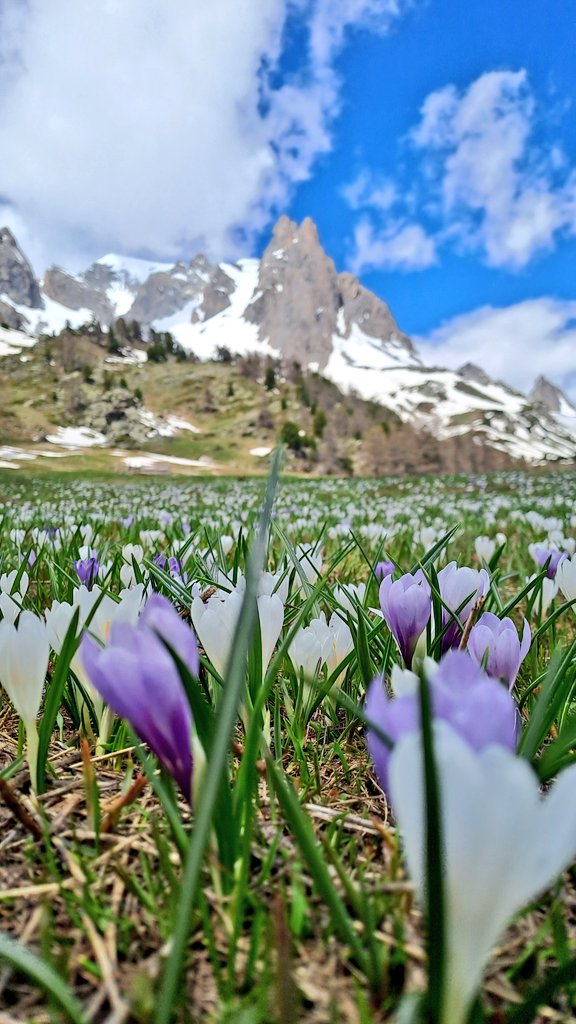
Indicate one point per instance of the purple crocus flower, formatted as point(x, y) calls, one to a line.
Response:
point(498, 638)
point(87, 570)
point(406, 608)
point(460, 589)
point(160, 560)
point(544, 555)
point(384, 569)
point(477, 707)
point(138, 678)
point(176, 569)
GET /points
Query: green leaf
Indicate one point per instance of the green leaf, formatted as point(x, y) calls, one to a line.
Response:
point(555, 686)
point(435, 905)
point(542, 994)
point(435, 550)
point(43, 975)
point(304, 835)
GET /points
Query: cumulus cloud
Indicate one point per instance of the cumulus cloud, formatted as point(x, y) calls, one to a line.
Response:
point(163, 127)
point(400, 246)
point(370, 191)
point(514, 343)
point(482, 175)
point(510, 197)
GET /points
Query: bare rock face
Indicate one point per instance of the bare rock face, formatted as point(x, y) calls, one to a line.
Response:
point(548, 395)
point(371, 314)
point(169, 291)
point(474, 373)
point(216, 295)
point(74, 293)
point(10, 317)
point(297, 305)
point(302, 302)
point(17, 280)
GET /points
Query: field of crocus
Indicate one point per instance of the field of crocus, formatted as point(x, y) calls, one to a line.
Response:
point(288, 751)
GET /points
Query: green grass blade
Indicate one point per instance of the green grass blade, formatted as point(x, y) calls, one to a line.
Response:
point(53, 699)
point(435, 905)
point(312, 852)
point(227, 710)
point(43, 975)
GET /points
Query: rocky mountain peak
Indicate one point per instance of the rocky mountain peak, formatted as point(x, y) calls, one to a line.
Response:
point(17, 280)
point(549, 395)
point(75, 293)
point(474, 373)
point(302, 303)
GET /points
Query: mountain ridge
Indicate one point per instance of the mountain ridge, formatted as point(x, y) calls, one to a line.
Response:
point(292, 306)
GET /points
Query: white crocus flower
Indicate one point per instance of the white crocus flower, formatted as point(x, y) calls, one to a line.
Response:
point(271, 617)
point(24, 653)
point(566, 577)
point(503, 845)
point(338, 645)
point(305, 651)
point(485, 548)
point(547, 590)
point(321, 643)
point(349, 596)
point(58, 619)
point(11, 599)
point(130, 553)
point(215, 622)
point(309, 565)
point(275, 583)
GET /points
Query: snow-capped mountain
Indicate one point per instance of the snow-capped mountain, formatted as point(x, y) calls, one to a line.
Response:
point(295, 306)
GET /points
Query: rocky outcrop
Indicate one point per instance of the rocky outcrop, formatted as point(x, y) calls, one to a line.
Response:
point(216, 296)
point(546, 394)
point(10, 317)
point(302, 302)
point(73, 293)
point(120, 417)
point(474, 373)
point(168, 291)
point(17, 280)
point(297, 303)
point(363, 308)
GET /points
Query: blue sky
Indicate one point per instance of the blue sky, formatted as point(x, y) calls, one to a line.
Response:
point(386, 81)
point(433, 142)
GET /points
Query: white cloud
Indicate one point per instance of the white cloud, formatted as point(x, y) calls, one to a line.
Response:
point(400, 246)
point(480, 177)
point(154, 126)
point(370, 191)
point(502, 189)
point(515, 344)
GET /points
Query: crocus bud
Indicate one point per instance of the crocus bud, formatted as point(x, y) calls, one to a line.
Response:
point(497, 640)
point(546, 555)
point(406, 608)
point(24, 655)
point(460, 589)
point(383, 569)
point(485, 548)
point(138, 678)
point(566, 577)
